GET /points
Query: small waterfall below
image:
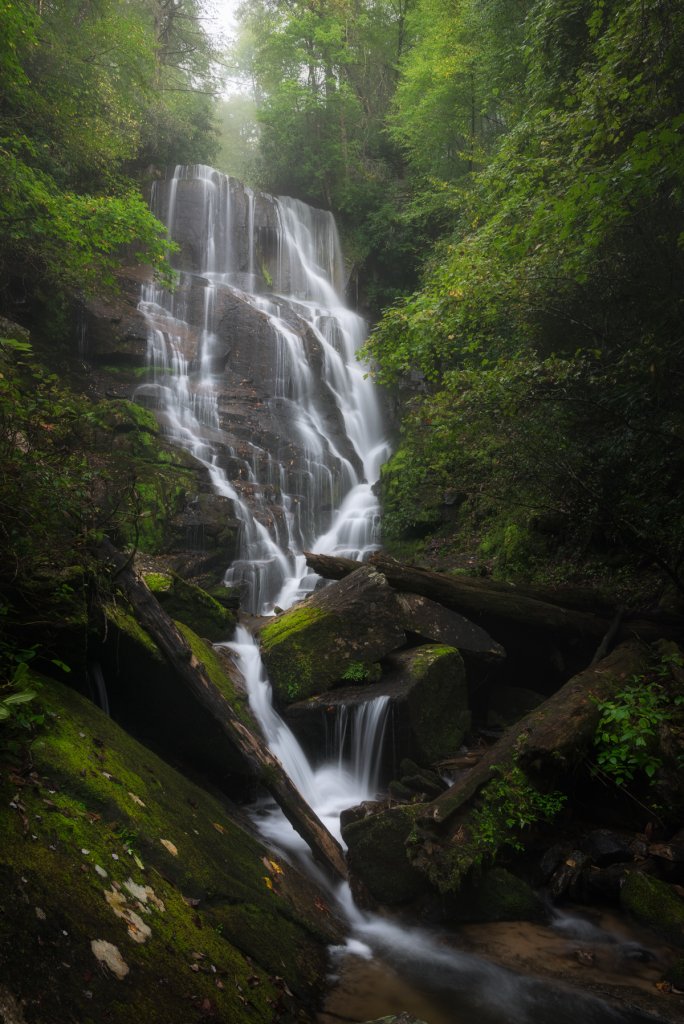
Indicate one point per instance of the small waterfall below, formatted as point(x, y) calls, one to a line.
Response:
point(252, 368)
point(392, 966)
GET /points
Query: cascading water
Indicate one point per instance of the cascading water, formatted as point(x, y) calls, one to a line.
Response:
point(415, 970)
point(256, 332)
point(308, 483)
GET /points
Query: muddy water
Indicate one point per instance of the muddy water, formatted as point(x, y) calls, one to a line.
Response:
point(583, 968)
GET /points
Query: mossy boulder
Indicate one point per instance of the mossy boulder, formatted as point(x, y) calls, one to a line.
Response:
point(499, 895)
point(127, 891)
point(310, 647)
point(149, 700)
point(654, 903)
point(428, 688)
point(429, 713)
point(192, 606)
point(377, 854)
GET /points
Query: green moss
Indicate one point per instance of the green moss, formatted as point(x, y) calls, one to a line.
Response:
point(654, 903)
point(158, 582)
point(198, 609)
point(218, 674)
point(438, 707)
point(291, 650)
point(99, 799)
point(289, 625)
point(378, 856)
point(130, 627)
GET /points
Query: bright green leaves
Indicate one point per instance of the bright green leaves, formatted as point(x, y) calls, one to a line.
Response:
point(89, 93)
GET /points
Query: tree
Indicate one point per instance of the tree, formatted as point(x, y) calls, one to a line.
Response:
point(566, 259)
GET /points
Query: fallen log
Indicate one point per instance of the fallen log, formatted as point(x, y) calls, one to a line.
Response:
point(556, 734)
point(484, 604)
point(493, 605)
point(249, 746)
point(547, 744)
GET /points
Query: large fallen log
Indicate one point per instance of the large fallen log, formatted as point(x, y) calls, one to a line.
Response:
point(547, 744)
point(249, 746)
point(474, 598)
point(491, 604)
point(556, 735)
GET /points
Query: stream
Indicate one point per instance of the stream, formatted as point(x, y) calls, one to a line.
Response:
point(277, 264)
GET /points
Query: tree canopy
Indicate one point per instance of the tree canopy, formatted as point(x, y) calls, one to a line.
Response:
point(92, 92)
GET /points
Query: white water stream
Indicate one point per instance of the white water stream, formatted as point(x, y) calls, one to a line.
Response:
point(326, 504)
point(325, 500)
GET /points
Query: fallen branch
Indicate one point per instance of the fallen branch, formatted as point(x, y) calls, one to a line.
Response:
point(249, 746)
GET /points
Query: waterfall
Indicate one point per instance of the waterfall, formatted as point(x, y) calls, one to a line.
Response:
point(257, 322)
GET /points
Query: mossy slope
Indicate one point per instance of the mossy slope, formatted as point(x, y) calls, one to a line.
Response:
point(231, 933)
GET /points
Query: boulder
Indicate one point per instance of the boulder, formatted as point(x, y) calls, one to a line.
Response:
point(377, 854)
point(499, 895)
point(125, 885)
point(427, 686)
point(606, 847)
point(655, 904)
point(435, 623)
point(308, 648)
point(428, 708)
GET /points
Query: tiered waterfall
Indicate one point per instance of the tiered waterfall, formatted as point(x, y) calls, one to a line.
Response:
point(254, 371)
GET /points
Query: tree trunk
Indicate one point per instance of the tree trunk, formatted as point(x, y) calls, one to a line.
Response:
point(492, 605)
point(251, 747)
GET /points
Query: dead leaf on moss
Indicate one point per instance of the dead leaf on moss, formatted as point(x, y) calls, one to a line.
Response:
point(169, 846)
point(109, 955)
point(136, 800)
point(219, 828)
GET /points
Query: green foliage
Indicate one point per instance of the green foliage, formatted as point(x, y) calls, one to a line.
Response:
point(355, 672)
point(88, 96)
point(509, 804)
point(540, 346)
point(627, 735)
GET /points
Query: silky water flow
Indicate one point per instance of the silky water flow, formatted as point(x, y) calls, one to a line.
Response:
point(281, 259)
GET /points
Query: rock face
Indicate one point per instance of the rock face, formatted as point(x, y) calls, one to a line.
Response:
point(310, 647)
point(434, 622)
point(125, 885)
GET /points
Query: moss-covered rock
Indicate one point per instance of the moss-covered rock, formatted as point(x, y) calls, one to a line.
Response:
point(149, 700)
point(351, 622)
point(428, 687)
point(129, 892)
point(499, 895)
point(192, 605)
point(654, 903)
point(377, 854)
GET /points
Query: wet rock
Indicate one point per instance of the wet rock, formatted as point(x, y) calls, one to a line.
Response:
point(606, 847)
point(377, 854)
point(114, 331)
point(499, 895)
point(309, 647)
point(433, 622)
point(606, 883)
point(569, 878)
point(656, 904)
point(401, 1018)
